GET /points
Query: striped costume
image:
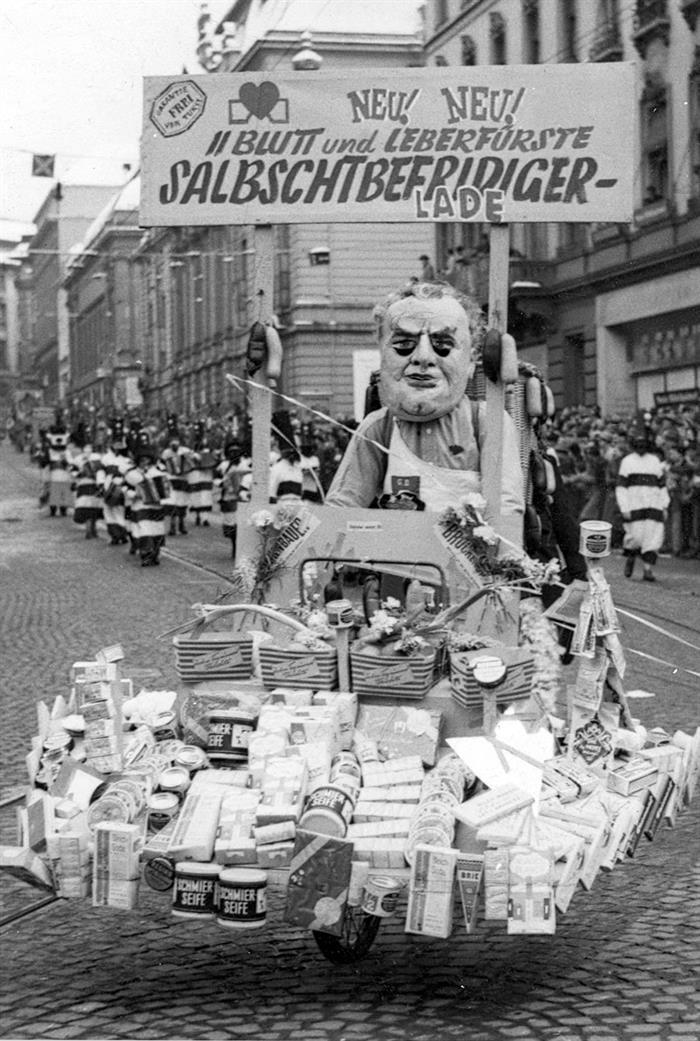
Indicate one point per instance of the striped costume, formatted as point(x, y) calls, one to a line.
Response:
point(111, 480)
point(177, 461)
point(148, 487)
point(200, 485)
point(88, 504)
point(642, 497)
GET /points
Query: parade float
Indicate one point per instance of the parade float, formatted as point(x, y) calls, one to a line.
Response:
point(377, 722)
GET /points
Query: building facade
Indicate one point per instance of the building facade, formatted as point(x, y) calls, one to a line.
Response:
point(610, 312)
point(61, 221)
point(101, 295)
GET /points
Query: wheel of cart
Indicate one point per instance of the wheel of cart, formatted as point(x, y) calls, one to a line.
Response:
point(359, 933)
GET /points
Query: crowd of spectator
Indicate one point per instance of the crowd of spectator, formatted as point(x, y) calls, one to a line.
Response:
point(590, 447)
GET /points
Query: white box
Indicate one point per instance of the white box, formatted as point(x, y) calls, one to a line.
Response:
point(431, 891)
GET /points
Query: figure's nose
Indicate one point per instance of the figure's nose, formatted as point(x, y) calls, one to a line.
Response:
point(424, 353)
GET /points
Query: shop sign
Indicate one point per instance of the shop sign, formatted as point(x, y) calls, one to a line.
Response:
point(689, 396)
point(506, 143)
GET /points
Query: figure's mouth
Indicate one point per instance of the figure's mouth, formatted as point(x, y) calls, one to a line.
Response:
point(419, 379)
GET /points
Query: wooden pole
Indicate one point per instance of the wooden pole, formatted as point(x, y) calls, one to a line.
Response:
point(260, 397)
point(492, 457)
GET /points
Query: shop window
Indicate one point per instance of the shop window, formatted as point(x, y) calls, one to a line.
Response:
point(531, 31)
point(468, 50)
point(654, 126)
point(568, 29)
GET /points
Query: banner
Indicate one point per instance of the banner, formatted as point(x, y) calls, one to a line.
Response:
point(492, 143)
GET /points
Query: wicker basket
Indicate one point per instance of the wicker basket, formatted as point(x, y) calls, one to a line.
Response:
point(289, 667)
point(394, 675)
point(516, 686)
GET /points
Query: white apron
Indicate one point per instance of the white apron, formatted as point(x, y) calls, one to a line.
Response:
point(437, 486)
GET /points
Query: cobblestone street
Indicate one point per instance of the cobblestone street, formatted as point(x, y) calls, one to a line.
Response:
point(625, 960)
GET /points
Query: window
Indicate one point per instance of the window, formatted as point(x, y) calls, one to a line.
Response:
point(441, 12)
point(497, 32)
point(654, 125)
point(531, 31)
point(441, 60)
point(468, 50)
point(568, 50)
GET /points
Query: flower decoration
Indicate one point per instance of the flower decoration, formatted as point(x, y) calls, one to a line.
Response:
point(514, 569)
point(252, 577)
point(390, 625)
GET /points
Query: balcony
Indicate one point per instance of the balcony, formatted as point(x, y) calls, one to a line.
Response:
point(651, 22)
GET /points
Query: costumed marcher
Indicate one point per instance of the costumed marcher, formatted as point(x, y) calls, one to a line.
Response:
point(200, 479)
point(643, 499)
point(147, 488)
point(56, 466)
point(114, 464)
point(88, 504)
point(422, 449)
point(233, 480)
point(177, 460)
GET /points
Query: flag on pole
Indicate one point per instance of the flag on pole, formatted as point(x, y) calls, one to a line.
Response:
point(42, 165)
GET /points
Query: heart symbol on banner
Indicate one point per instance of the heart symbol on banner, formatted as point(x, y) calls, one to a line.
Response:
point(259, 100)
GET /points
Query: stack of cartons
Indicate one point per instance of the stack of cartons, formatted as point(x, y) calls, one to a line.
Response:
point(431, 891)
point(97, 690)
point(72, 867)
point(116, 865)
point(387, 801)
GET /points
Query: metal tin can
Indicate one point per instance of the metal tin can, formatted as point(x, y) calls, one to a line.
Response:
point(192, 757)
point(159, 874)
point(346, 773)
point(241, 898)
point(381, 895)
point(228, 736)
point(340, 613)
point(194, 889)
point(174, 779)
point(328, 811)
point(112, 806)
point(162, 807)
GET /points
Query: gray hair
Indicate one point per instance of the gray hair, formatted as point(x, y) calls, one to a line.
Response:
point(432, 291)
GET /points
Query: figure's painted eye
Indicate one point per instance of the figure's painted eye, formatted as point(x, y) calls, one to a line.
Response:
point(404, 345)
point(442, 345)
